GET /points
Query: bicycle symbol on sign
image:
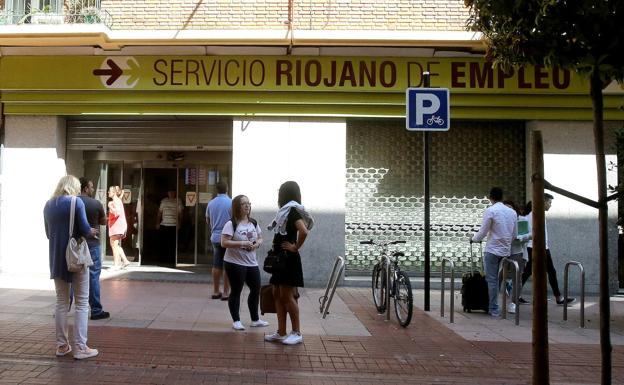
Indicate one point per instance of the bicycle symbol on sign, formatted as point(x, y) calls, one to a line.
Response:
point(435, 119)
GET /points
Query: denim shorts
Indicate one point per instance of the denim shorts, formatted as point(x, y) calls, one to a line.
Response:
point(218, 253)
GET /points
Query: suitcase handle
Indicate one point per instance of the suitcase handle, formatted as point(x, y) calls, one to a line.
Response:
point(472, 262)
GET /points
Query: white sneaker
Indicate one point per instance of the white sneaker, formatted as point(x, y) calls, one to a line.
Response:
point(293, 338)
point(275, 337)
point(238, 326)
point(259, 323)
point(511, 308)
point(87, 352)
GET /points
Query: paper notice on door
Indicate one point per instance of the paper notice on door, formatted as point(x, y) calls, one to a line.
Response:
point(204, 197)
point(191, 198)
point(212, 177)
point(127, 196)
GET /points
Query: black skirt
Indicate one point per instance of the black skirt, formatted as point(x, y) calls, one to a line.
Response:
point(292, 275)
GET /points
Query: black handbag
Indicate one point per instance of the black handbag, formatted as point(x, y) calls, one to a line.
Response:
point(275, 263)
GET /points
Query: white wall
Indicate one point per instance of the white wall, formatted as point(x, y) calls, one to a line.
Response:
point(312, 153)
point(569, 163)
point(32, 165)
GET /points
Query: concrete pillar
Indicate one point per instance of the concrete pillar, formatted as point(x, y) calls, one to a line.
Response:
point(312, 153)
point(32, 163)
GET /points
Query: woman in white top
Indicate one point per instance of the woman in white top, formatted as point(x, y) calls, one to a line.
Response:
point(241, 237)
point(518, 253)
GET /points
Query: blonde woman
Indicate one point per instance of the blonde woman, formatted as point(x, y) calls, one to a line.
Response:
point(117, 226)
point(56, 218)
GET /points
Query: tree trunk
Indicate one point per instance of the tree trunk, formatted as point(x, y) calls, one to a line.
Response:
point(540, 308)
point(601, 172)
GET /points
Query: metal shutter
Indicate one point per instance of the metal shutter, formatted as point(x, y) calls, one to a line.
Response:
point(149, 135)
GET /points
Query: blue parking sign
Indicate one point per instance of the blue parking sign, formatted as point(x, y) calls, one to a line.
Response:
point(427, 109)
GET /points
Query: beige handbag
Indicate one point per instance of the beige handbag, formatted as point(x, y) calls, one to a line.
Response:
point(77, 253)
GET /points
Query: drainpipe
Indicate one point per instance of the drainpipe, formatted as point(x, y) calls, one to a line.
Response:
point(289, 34)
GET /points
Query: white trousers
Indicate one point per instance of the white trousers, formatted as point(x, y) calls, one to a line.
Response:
point(80, 283)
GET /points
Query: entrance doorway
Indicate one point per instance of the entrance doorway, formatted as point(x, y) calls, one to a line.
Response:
point(159, 244)
point(146, 180)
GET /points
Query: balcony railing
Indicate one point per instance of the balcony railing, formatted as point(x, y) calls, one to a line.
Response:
point(61, 12)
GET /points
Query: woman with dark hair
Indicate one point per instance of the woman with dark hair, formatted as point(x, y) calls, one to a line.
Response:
point(241, 237)
point(57, 217)
point(291, 226)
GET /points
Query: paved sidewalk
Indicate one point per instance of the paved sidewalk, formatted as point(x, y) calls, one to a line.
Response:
point(143, 343)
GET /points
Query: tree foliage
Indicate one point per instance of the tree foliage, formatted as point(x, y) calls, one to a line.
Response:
point(582, 35)
point(586, 36)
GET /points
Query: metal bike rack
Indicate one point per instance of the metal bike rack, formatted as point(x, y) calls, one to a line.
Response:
point(566, 270)
point(444, 260)
point(516, 287)
point(326, 299)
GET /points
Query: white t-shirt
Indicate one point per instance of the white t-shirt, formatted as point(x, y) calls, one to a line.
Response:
point(500, 224)
point(530, 219)
point(244, 232)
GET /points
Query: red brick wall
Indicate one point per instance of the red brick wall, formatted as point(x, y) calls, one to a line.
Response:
point(400, 15)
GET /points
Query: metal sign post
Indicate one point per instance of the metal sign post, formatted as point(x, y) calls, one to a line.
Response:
point(427, 203)
point(427, 109)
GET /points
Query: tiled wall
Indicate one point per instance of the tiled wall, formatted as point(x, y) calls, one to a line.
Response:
point(400, 15)
point(385, 186)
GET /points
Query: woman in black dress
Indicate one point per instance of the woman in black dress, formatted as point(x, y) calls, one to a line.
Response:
point(291, 226)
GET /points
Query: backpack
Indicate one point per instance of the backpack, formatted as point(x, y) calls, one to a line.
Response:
point(235, 224)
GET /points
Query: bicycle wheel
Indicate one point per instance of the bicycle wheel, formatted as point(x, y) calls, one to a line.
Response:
point(379, 287)
point(403, 300)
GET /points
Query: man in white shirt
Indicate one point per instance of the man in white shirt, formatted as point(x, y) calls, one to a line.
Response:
point(500, 226)
point(168, 223)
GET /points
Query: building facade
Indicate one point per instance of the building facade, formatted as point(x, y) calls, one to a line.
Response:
point(155, 95)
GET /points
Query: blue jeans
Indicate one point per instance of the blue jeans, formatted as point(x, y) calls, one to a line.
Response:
point(490, 262)
point(94, 280)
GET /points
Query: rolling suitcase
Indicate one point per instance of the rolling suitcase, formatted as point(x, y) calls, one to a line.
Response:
point(474, 289)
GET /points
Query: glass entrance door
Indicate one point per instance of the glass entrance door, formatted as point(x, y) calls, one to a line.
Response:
point(148, 240)
point(161, 221)
point(127, 175)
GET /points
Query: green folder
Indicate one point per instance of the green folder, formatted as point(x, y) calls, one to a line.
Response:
point(523, 227)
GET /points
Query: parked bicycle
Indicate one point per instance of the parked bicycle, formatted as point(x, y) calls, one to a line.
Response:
point(399, 286)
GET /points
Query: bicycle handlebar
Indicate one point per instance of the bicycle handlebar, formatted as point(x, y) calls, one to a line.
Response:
point(371, 242)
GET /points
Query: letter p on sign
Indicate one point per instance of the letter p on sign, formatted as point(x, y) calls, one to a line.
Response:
point(427, 109)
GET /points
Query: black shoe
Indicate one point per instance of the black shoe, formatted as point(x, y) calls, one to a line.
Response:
point(102, 315)
point(523, 301)
point(570, 300)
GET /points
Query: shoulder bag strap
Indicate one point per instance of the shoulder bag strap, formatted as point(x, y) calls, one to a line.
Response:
point(71, 216)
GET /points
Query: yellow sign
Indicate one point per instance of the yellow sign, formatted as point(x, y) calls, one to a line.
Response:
point(277, 73)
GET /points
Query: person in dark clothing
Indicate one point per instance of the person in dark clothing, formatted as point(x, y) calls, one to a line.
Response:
point(552, 273)
point(291, 226)
point(96, 217)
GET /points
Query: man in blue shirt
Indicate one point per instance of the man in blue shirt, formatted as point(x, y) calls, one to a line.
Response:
point(218, 212)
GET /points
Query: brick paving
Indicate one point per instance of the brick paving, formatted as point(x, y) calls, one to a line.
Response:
point(427, 352)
